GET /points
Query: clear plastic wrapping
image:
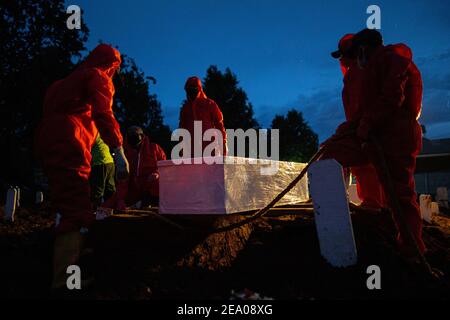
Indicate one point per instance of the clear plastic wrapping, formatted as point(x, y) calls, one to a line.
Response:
point(237, 185)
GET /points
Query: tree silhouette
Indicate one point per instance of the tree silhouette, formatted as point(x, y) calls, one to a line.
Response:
point(36, 48)
point(134, 105)
point(232, 100)
point(298, 142)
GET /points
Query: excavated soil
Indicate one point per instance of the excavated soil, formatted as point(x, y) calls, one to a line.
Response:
point(146, 258)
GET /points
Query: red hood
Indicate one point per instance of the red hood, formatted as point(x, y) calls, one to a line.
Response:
point(105, 58)
point(195, 81)
point(401, 49)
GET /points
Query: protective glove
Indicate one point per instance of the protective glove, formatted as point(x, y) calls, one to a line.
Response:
point(153, 177)
point(123, 168)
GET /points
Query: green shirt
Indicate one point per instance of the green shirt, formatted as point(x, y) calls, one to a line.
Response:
point(100, 153)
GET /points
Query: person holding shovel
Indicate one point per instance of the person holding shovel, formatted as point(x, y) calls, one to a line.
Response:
point(387, 133)
point(367, 183)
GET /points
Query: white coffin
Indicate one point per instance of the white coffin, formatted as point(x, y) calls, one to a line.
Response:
point(236, 185)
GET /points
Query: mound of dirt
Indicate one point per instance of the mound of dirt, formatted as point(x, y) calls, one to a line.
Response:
point(145, 258)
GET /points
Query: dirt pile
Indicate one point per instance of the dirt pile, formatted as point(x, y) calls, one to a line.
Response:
point(145, 258)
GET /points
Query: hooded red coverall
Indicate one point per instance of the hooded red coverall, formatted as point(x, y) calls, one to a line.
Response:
point(202, 109)
point(391, 102)
point(367, 184)
point(143, 163)
point(76, 108)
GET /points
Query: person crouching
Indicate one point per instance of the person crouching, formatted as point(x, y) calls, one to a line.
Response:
point(143, 182)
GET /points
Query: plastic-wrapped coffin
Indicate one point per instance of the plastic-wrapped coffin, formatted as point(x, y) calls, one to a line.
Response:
point(236, 185)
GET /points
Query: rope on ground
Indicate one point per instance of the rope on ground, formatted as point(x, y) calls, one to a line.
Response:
point(149, 213)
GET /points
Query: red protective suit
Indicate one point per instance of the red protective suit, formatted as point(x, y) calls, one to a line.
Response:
point(142, 183)
point(390, 106)
point(367, 184)
point(202, 109)
point(75, 109)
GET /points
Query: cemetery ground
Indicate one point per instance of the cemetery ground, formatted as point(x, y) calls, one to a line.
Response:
point(276, 257)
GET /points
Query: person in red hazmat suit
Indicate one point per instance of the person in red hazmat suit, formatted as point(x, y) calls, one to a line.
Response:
point(390, 104)
point(143, 182)
point(198, 107)
point(368, 186)
point(76, 108)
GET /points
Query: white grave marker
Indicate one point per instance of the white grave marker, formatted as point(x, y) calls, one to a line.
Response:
point(331, 213)
point(10, 207)
point(434, 208)
point(18, 196)
point(39, 197)
point(353, 194)
point(442, 197)
point(425, 202)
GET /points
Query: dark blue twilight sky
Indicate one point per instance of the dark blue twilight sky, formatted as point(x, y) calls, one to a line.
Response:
point(279, 49)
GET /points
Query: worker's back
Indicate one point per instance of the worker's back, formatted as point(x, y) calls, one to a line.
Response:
point(75, 107)
point(68, 96)
point(392, 85)
point(202, 109)
point(392, 99)
point(67, 125)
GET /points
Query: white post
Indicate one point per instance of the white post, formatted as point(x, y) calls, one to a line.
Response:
point(428, 208)
point(18, 196)
point(434, 210)
point(425, 207)
point(10, 207)
point(332, 214)
point(442, 197)
point(353, 194)
point(39, 197)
